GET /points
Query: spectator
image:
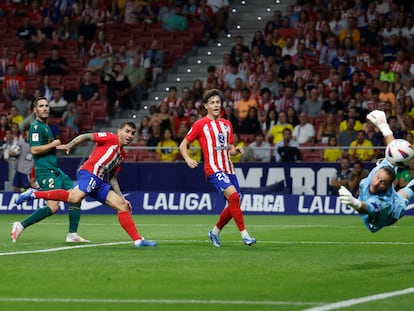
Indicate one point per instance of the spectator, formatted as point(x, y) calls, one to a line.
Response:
point(304, 132)
point(313, 105)
point(270, 121)
point(350, 31)
point(102, 43)
point(12, 84)
point(237, 142)
point(251, 124)
point(175, 21)
point(167, 147)
point(357, 174)
point(156, 57)
point(4, 126)
point(10, 151)
point(233, 74)
point(327, 128)
point(136, 74)
point(55, 64)
point(22, 103)
point(243, 105)
point(24, 164)
point(71, 117)
point(81, 47)
point(163, 116)
point(230, 116)
point(271, 83)
point(45, 88)
point(47, 31)
point(31, 65)
point(88, 90)
point(221, 14)
point(58, 104)
point(349, 134)
point(341, 178)
point(118, 89)
point(179, 118)
point(332, 153)
point(86, 28)
point(287, 150)
point(17, 61)
point(67, 30)
point(155, 136)
point(28, 34)
point(333, 104)
point(5, 61)
point(276, 131)
point(261, 149)
point(287, 100)
point(366, 153)
point(99, 62)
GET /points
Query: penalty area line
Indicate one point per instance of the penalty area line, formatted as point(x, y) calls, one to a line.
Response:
point(355, 301)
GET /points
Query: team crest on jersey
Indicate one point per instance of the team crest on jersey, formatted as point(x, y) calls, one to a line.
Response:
point(221, 138)
point(35, 136)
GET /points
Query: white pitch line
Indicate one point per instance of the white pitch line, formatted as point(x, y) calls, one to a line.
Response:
point(65, 248)
point(355, 301)
point(155, 301)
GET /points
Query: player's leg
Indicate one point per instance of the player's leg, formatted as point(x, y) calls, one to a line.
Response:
point(46, 181)
point(118, 203)
point(74, 199)
point(236, 211)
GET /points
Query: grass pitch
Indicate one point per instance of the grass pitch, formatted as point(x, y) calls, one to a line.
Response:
point(299, 263)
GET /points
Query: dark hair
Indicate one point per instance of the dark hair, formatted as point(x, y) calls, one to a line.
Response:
point(36, 100)
point(129, 123)
point(390, 172)
point(211, 93)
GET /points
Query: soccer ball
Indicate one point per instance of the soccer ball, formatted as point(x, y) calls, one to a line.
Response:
point(399, 152)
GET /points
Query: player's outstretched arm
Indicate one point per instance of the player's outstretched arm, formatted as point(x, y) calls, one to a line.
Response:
point(184, 152)
point(76, 141)
point(346, 197)
point(379, 119)
point(39, 150)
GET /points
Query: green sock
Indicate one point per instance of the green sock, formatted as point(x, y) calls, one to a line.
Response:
point(37, 216)
point(74, 217)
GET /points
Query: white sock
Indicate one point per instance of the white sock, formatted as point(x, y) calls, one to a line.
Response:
point(216, 231)
point(244, 234)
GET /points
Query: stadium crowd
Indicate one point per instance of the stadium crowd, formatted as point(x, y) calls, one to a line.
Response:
point(308, 79)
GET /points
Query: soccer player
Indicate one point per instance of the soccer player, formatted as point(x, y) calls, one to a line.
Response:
point(48, 174)
point(215, 136)
point(378, 202)
point(106, 158)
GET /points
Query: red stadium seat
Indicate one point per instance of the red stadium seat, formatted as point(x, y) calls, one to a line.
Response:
point(66, 134)
point(99, 109)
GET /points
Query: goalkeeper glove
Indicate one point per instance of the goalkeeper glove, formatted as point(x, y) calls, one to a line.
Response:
point(346, 197)
point(380, 120)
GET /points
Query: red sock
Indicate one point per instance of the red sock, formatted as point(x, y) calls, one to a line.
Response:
point(225, 217)
point(235, 211)
point(126, 222)
point(55, 195)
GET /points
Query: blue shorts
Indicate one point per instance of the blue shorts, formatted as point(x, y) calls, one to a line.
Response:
point(92, 185)
point(21, 180)
point(222, 181)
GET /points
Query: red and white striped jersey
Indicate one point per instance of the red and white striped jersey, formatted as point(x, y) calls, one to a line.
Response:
point(107, 155)
point(214, 137)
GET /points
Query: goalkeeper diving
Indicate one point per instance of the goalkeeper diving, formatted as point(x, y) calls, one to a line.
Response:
point(378, 203)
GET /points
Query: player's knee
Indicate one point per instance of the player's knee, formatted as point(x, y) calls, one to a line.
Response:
point(75, 196)
point(234, 199)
